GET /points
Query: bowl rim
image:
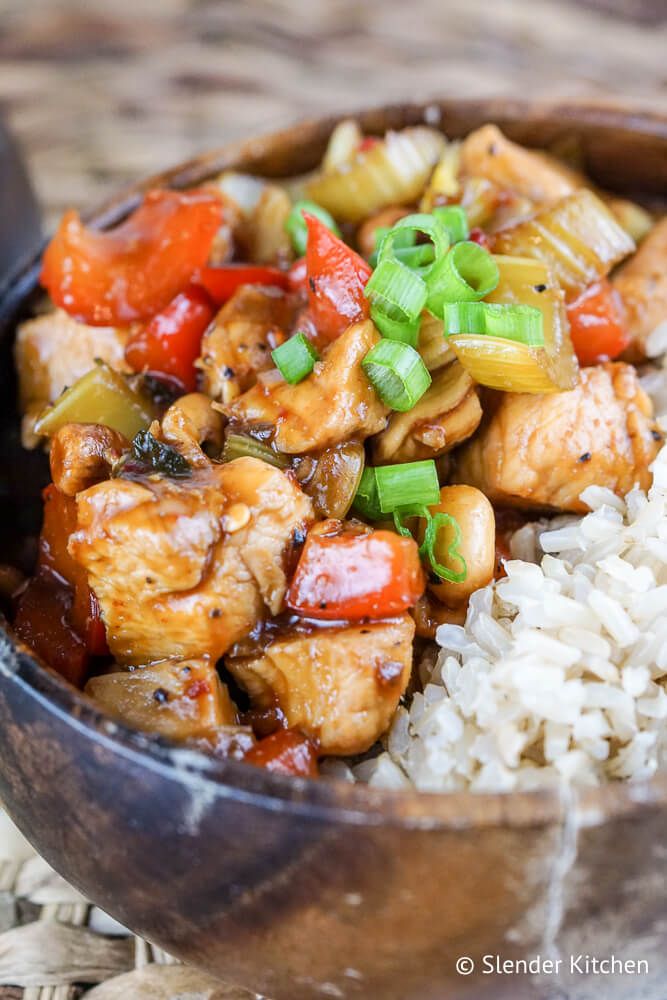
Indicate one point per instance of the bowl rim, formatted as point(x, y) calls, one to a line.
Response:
point(323, 798)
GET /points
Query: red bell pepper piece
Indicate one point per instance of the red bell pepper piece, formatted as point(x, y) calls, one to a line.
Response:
point(285, 752)
point(170, 344)
point(367, 143)
point(597, 324)
point(84, 612)
point(337, 277)
point(133, 271)
point(353, 576)
point(222, 282)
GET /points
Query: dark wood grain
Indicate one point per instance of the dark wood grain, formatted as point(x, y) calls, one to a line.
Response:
point(103, 92)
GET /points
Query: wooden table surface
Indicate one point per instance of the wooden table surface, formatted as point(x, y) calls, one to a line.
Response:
point(100, 92)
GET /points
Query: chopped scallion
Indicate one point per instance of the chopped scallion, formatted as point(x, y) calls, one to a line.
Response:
point(466, 273)
point(396, 291)
point(427, 548)
point(417, 224)
point(417, 258)
point(295, 224)
point(402, 241)
point(524, 324)
point(397, 373)
point(455, 221)
point(295, 358)
point(407, 332)
point(366, 501)
point(407, 485)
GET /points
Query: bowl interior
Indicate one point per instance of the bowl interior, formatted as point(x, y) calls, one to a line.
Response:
point(621, 149)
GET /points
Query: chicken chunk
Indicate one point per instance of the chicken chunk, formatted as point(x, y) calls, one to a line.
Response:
point(186, 568)
point(447, 414)
point(642, 284)
point(335, 402)
point(238, 345)
point(53, 351)
point(488, 153)
point(178, 699)
point(542, 451)
point(340, 687)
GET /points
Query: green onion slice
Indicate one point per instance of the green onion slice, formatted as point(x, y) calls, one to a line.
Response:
point(407, 332)
point(243, 446)
point(427, 548)
point(433, 525)
point(402, 240)
point(295, 224)
point(417, 258)
point(295, 358)
point(524, 324)
point(418, 223)
point(397, 373)
point(366, 500)
point(396, 291)
point(455, 221)
point(465, 274)
point(407, 485)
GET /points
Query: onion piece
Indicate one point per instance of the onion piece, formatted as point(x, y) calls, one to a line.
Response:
point(265, 234)
point(444, 185)
point(504, 364)
point(393, 171)
point(433, 346)
point(528, 282)
point(244, 189)
point(578, 238)
point(343, 144)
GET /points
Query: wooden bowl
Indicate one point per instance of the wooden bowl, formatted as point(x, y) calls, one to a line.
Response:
point(302, 889)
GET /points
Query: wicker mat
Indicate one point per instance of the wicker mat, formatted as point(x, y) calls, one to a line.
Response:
point(54, 945)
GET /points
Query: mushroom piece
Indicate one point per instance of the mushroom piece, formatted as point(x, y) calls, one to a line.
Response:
point(448, 413)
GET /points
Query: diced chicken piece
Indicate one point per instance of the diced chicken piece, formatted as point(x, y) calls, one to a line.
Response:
point(486, 152)
point(52, 352)
point(335, 402)
point(536, 176)
point(542, 451)
point(178, 699)
point(446, 415)
point(340, 687)
point(642, 284)
point(238, 345)
point(186, 568)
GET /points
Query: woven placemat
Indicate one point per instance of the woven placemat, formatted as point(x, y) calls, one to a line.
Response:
point(55, 945)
